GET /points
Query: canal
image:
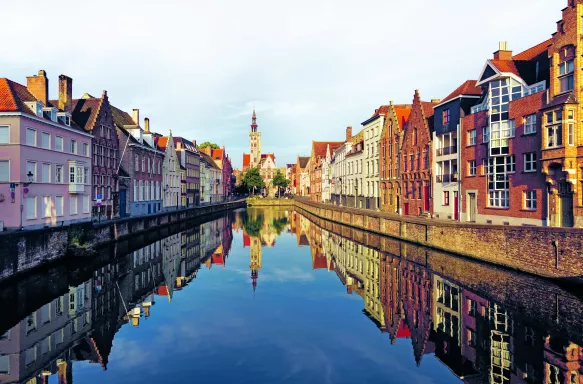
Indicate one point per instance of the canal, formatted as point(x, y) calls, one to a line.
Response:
point(277, 296)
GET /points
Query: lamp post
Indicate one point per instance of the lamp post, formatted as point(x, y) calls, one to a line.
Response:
point(30, 179)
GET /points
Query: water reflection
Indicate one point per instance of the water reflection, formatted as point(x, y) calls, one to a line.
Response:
point(485, 324)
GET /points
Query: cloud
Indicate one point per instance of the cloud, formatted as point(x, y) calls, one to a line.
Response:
point(310, 68)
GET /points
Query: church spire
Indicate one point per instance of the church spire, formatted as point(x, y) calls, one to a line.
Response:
point(254, 122)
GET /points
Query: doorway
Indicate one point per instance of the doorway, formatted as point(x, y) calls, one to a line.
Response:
point(566, 202)
point(406, 209)
point(455, 206)
point(426, 198)
point(472, 207)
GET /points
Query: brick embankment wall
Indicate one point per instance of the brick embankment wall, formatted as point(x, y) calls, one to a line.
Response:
point(269, 202)
point(547, 252)
point(552, 307)
point(23, 251)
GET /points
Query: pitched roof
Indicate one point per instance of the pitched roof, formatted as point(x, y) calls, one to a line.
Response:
point(303, 161)
point(428, 108)
point(84, 112)
point(207, 159)
point(266, 155)
point(403, 111)
point(13, 96)
point(533, 52)
point(246, 159)
point(121, 117)
point(319, 147)
point(467, 88)
point(382, 110)
point(505, 66)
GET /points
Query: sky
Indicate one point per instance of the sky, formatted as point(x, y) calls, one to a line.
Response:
point(310, 68)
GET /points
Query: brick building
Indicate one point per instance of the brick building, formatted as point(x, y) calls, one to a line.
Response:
point(446, 153)
point(500, 141)
point(190, 161)
point(416, 159)
point(141, 191)
point(390, 171)
point(319, 150)
point(301, 168)
point(94, 115)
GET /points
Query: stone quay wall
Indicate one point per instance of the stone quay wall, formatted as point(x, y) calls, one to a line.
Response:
point(255, 202)
point(23, 251)
point(547, 252)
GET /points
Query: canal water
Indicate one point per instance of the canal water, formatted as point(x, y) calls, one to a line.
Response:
point(273, 296)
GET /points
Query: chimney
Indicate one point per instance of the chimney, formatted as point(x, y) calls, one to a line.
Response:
point(503, 53)
point(146, 125)
point(39, 86)
point(136, 116)
point(65, 93)
point(348, 133)
point(435, 101)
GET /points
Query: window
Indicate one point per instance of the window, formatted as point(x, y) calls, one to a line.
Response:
point(86, 203)
point(566, 75)
point(136, 163)
point(59, 144)
point(46, 140)
point(31, 137)
point(4, 170)
point(74, 147)
point(72, 175)
point(30, 355)
point(85, 149)
point(530, 124)
point(472, 168)
point(554, 136)
point(59, 205)
point(571, 134)
point(446, 198)
point(46, 173)
point(530, 162)
point(59, 174)
point(31, 167)
point(46, 207)
point(510, 164)
point(472, 307)
point(472, 137)
point(4, 135)
point(31, 207)
point(471, 338)
point(486, 134)
point(446, 117)
point(5, 365)
point(570, 114)
point(73, 205)
point(530, 200)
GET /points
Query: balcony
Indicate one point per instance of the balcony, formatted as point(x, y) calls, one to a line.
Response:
point(447, 150)
point(76, 188)
point(447, 178)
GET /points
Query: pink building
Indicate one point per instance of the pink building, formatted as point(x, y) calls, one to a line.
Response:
point(45, 158)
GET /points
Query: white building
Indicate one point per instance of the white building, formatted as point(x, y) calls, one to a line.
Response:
point(372, 135)
point(355, 175)
point(170, 173)
point(339, 188)
point(327, 176)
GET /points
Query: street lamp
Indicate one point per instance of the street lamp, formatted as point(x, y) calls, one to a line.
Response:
point(30, 179)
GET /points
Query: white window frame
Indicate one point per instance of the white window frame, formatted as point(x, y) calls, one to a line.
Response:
point(530, 162)
point(33, 131)
point(486, 134)
point(42, 141)
point(34, 170)
point(472, 137)
point(86, 204)
point(570, 134)
point(73, 208)
point(471, 167)
point(530, 202)
point(59, 175)
point(46, 206)
point(73, 147)
point(31, 215)
point(62, 141)
point(59, 207)
point(7, 161)
point(86, 149)
point(7, 128)
point(46, 176)
point(530, 124)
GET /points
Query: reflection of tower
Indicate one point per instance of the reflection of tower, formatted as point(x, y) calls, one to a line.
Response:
point(255, 260)
point(254, 143)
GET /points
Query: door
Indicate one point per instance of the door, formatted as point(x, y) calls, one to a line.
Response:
point(472, 207)
point(426, 198)
point(566, 210)
point(455, 206)
point(406, 209)
point(122, 203)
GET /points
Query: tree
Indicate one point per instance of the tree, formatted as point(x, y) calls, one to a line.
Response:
point(252, 179)
point(207, 144)
point(280, 181)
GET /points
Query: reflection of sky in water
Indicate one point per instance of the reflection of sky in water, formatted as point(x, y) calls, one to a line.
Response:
point(301, 327)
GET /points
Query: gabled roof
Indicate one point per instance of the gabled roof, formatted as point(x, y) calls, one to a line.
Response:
point(319, 147)
point(207, 159)
point(266, 155)
point(382, 110)
point(468, 88)
point(402, 111)
point(185, 143)
point(303, 161)
point(533, 52)
point(162, 142)
point(13, 97)
point(84, 112)
point(121, 117)
point(507, 66)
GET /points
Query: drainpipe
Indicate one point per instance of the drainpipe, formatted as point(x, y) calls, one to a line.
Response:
point(459, 169)
point(555, 244)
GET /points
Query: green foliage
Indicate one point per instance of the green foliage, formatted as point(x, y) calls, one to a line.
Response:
point(253, 225)
point(252, 179)
point(207, 144)
point(280, 181)
point(279, 224)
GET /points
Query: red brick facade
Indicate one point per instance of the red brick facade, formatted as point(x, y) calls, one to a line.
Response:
point(416, 160)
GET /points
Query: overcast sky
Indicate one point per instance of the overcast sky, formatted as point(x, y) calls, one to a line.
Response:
point(311, 67)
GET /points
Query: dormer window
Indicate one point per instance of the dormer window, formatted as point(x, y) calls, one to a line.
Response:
point(566, 75)
point(36, 107)
point(64, 118)
point(50, 113)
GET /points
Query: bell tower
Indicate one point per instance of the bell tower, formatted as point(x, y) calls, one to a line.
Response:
point(255, 261)
point(254, 142)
